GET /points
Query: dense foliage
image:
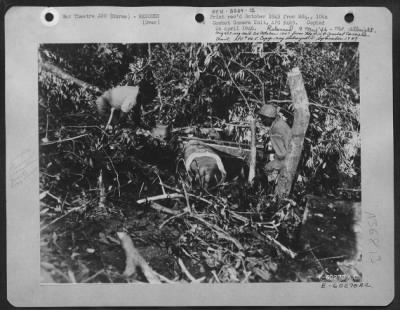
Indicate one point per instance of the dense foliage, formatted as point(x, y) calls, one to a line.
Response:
point(208, 84)
point(204, 85)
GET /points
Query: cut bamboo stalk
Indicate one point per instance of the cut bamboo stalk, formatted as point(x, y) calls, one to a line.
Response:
point(253, 151)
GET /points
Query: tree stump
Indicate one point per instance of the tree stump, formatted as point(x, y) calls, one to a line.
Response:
point(299, 128)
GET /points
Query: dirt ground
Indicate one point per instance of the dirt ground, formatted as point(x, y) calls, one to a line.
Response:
point(79, 249)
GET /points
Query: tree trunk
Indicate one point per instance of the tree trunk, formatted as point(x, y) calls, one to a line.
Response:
point(299, 128)
point(67, 77)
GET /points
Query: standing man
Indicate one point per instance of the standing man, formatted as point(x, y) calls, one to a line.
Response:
point(280, 135)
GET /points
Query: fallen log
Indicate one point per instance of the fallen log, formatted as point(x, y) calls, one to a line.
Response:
point(222, 142)
point(235, 149)
point(67, 77)
point(192, 129)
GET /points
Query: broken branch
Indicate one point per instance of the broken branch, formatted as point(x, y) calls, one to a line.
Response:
point(135, 260)
point(159, 197)
point(158, 207)
point(64, 140)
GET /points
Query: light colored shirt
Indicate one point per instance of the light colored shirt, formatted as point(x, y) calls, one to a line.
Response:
point(121, 98)
point(281, 134)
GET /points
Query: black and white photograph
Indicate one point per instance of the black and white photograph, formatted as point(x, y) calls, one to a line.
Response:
point(199, 162)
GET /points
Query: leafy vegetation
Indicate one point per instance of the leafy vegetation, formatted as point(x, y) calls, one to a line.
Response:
point(233, 233)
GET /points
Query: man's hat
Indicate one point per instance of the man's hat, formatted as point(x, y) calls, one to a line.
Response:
point(268, 110)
